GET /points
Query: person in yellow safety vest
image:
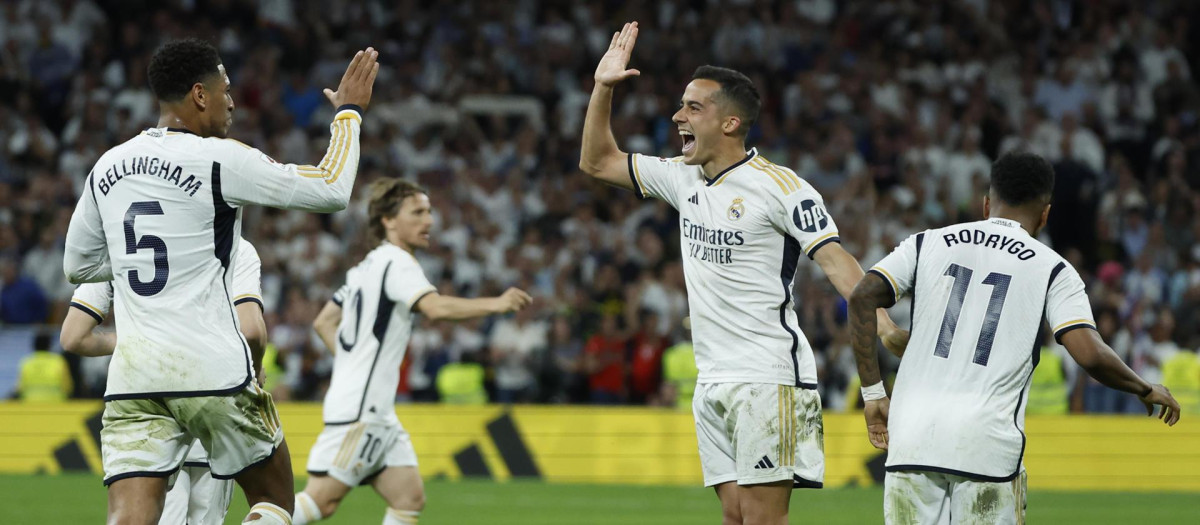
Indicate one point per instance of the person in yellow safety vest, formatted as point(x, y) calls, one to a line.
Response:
point(271, 372)
point(679, 370)
point(1048, 388)
point(45, 375)
point(462, 383)
point(1181, 374)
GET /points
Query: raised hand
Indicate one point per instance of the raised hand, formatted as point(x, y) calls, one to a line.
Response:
point(1159, 395)
point(876, 413)
point(358, 81)
point(514, 299)
point(611, 69)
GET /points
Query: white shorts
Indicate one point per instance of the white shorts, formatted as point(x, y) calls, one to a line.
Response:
point(151, 437)
point(356, 452)
point(924, 498)
point(196, 498)
point(755, 433)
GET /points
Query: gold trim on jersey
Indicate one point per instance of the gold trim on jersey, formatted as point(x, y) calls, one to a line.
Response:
point(90, 307)
point(334, 163)
point(247, 295)
point(895, 287)
point(1075, 322)
point(785, 178)
point(818, 241)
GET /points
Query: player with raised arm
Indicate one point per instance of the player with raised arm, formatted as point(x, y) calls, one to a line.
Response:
point(367, 325)
point(159, 217)
point(955, 431)
point(744, 223)
point(196, 498)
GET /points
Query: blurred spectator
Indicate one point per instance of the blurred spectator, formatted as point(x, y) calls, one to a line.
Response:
point(21, 299)
point(604, 362)
point(44, 374)
point(893, 113)
point(645, 364)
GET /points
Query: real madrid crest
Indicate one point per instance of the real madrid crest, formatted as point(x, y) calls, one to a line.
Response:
point(736, 210)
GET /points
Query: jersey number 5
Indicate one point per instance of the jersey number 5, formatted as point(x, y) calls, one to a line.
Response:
point(151, 242)
point(991, 318)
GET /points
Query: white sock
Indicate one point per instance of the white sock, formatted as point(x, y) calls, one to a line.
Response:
point(268, 514)
point(307, 510)
point(401, 517)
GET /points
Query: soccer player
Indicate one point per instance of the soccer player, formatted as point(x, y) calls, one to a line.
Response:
point(744, 223)
point(158, 218)
point(196, 497)
point(367, 325)
point(955, 434)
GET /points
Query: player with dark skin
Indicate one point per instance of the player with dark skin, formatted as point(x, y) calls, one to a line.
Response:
point(207, 111)
point(1085, 346)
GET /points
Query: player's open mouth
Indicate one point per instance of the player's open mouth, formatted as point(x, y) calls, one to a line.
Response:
point(689, 141)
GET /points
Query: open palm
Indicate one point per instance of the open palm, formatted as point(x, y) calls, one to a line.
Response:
point(611, 69)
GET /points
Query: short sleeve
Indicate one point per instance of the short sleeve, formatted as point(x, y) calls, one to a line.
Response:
point(1067, 305)
point(406, 282)
point(899, 268)
point(339, 297)
point(247, 275)
point(85, 256)
point(660, 178)
point(94, 299)
point(802, 214)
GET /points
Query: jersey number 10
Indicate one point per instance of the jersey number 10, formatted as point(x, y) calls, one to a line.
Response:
point(991, 319)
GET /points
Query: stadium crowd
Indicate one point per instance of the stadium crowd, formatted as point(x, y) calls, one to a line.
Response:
point(894, 110)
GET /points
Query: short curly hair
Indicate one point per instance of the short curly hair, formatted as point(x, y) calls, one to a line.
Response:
point(180, 64)
point(1021, 177)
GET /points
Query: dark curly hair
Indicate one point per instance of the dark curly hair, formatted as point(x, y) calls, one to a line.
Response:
point(1021, 177)
point(737, 90)
point(180, 64)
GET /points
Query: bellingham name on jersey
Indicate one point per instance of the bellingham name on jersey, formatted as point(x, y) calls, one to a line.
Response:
point(146, 165)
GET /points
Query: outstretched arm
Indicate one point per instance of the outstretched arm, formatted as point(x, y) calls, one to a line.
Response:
point(843, 271)
point(600, 156)
point(1102, 363)
point(870, 294)
point(438, 307)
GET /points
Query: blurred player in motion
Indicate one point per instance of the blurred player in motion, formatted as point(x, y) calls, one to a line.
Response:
point(196, 498)
point(367, 325)
point(744, 223)
point(955, 434)
point(159, 217)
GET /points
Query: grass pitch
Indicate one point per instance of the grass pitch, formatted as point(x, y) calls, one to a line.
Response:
point(82, 499)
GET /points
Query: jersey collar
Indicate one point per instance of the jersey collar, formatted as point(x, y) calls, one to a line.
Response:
point(1005, 222)
point(716, 180)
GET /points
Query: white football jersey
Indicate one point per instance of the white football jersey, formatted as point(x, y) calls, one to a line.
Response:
point(158, 218)
point(372, 337)
point(741, 236)
point(980, 292)
point(95, 299)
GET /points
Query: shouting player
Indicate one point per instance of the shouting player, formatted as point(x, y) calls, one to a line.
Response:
point(159, 218)
point(196, 497)
point(367, 325)
point(744, 224)
point(955, 434)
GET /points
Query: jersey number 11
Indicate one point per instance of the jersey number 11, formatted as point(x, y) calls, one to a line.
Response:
point(987, 335)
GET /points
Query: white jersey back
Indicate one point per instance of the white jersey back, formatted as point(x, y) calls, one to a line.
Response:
point(980, 292)
point(741, 235)
point(158, 218)
point(372, 337)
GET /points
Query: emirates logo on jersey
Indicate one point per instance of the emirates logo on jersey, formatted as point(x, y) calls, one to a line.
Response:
point(736, 210)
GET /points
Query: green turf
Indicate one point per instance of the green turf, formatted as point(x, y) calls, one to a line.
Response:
point(81, 499)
